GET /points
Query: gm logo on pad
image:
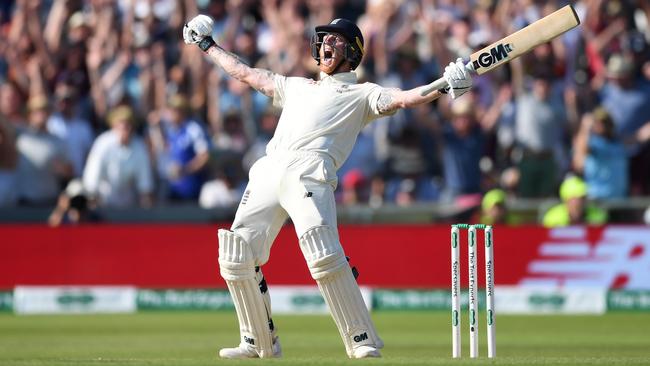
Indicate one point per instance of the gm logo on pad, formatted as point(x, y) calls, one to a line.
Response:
point(361, 337)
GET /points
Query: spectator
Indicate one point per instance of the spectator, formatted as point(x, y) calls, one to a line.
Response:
point(44, 163)
point(493, 207)
point(257, 149)
point(187, 151)
point(73, 207)
point(8, 164)
point(574, 209)
point(355, 174)
point(232, 138)
point(66, 124)
point(539, 126)
point(499, 120)
point(110, 53)
point(463, 146)
point(406, 169)
point(224, 191)
point(354, 188)
point(118, 172)
point(601, 157)
point(11, 105)
point(626, 96)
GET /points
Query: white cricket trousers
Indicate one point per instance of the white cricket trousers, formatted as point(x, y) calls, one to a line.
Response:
point(299, 185)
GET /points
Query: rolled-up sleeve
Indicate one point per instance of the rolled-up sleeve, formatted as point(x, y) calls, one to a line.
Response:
point(373, 95)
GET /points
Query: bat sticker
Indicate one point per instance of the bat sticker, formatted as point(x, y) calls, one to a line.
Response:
point(495, 55)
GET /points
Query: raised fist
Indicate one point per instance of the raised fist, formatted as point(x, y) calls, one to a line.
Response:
point(198, 28)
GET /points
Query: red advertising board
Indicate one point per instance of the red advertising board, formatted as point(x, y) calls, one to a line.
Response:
point(413, 256)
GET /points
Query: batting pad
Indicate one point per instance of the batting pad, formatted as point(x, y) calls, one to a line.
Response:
point(330, 269)
point(237, 268)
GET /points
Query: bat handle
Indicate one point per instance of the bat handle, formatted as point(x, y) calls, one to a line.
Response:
point(441, 83)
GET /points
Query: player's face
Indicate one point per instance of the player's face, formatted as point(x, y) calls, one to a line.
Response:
point(332, 52)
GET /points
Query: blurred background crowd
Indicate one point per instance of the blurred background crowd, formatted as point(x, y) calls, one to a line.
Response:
point(102, 97)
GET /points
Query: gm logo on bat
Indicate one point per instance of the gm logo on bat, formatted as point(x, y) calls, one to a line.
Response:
point(495, 55)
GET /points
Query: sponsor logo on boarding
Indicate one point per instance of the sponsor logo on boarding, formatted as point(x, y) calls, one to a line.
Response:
point(619, 258)
point(71, 298)
point(495, 55)
point(361, 337)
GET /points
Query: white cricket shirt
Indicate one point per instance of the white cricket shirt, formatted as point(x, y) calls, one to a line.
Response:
point(322, 116)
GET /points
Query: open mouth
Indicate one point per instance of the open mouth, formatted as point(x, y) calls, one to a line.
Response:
point(327, 54)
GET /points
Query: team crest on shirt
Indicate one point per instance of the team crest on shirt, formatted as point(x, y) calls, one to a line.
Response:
point(343, 88)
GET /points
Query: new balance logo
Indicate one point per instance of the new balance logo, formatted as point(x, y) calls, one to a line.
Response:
point(308, 194)
point(250, 341)
point(360, 337)
point(244, 198)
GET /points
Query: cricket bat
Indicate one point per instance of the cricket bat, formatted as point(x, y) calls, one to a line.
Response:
point(516, 44)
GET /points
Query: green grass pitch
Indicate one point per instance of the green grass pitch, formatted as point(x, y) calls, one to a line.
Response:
point(412, 338)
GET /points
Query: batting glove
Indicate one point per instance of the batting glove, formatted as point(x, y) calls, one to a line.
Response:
point(458, 78)
point(199, 31)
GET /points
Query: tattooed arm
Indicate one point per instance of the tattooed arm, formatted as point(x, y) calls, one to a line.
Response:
point(260, 79)
point(394, 98)
point(198, 31)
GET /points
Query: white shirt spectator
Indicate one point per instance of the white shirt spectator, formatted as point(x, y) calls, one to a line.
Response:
point(217, 193)
point(38, 181)
point(117, 174)
point(78, 138)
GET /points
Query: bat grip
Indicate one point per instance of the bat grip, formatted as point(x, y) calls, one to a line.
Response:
point(441, 82)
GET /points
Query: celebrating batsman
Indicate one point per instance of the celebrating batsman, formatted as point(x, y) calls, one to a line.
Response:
point(317, 129)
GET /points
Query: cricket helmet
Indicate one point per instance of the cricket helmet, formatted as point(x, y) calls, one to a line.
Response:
point(353, 52)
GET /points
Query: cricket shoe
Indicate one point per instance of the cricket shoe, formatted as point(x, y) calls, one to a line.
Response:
point(365, 352)
point(244, 350)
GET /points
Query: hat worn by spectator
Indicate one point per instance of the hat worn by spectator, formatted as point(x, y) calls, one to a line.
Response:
point(492, 198)
point(573, 187)
point(78, 19)
point(353, 179)
point(619, 66)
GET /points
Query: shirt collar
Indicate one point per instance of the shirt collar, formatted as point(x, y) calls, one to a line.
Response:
point(349, 77)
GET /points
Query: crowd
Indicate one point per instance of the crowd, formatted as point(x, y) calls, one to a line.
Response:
point(105, 93)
